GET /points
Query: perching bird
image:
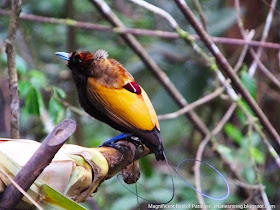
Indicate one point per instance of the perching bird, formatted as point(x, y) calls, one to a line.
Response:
point(109, 93)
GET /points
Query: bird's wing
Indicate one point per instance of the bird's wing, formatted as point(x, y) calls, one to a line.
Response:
point(128, 109)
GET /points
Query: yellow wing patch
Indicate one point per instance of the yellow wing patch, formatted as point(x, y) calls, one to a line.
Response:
point(124, 107)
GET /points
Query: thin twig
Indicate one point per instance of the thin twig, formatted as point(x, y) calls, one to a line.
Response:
point(264, 70)
point(254, 55)
point(209, 62)
point(73, 108)
point(158, 11)
point(199, 102)
point(152, 65)
point(244, 51)
point(265, 198)
point(46, 120)
point(13, 77)
point(137, 31)
point(255, 166)
point(37, 163)
point(267, 25)
point(202, 146)
point(201, 14)
point(199, 153)
point(221, 60)
point(270, 148)
point(247, 186)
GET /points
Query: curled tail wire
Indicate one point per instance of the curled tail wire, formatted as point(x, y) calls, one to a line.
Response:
point(149, 201)
point(205, 195)
point(187, 183)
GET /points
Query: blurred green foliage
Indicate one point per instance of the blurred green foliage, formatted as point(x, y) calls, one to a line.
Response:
point(45, 81)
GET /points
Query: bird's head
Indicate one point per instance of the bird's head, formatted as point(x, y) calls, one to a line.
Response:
point(97, 65)
point(83, 63)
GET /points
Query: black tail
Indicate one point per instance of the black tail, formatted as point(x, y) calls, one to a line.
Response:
point(152, 139)
point(159, 153)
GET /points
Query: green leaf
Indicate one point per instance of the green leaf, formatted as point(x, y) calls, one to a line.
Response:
point(31, 102)
point(21, 65)
point(218, 25)
point(250, 83)
point(234, 133)
point(37, 79)
point(54, 200)
point(40, 101)
point(225, 151)
point(23, 88)
point(59, 92)
point(250, 175)
point(34, 101)
point(241, 116)
point(257, 155)
point(56, 110)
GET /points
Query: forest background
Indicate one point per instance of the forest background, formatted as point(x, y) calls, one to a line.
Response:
point(222, 125)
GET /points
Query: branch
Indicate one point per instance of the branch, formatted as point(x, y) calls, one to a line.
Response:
point(253, 54)
point(37, 163)
point(137, 31)
point(13, 77)
point(221, 60)
point(201, 14)
point(201, 148)
point(244, 51)
point(20, 189)
point(151, 64)
point(119, 159)
point(193, 105)
point(270, 148)
point(263, 69)
point(267, 25)
point(209, 62)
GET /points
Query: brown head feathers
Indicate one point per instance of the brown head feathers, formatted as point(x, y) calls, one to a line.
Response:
point(97, 65)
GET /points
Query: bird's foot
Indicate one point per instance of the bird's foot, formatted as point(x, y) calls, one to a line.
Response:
point(112, 142)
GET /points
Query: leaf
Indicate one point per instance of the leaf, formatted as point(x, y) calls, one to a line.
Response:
point(20, 62)
point(54, 200)
point(24, 88)
point(234, 133)
point(31, 102)
point(218, 25)
point(21, 65)
point(242, 117)
point(59, 92)
point(37, 79)
point(250, 83)
point(56, 110)
point(257, 155)
point(40, 101)
point(250, 175)
point(225, 151)
point(240, 114)
point(34, 101)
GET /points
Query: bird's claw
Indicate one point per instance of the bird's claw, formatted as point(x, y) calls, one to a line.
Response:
point(112, 142)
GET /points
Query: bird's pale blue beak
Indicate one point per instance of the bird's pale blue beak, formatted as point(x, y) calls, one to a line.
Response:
point(63, 55)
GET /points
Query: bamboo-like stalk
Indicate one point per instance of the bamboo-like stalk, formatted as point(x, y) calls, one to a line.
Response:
point(76, 172)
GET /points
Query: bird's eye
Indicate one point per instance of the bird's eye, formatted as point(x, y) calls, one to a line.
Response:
point(77, 59)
